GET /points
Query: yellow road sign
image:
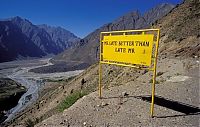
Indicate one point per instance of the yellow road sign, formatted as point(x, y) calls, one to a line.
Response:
point(128, 49)
point(133, 48)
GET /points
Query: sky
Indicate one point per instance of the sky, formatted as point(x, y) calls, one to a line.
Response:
point(78, 16)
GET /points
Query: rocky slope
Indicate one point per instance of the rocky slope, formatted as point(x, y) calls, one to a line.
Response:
point(20, 38)
point(180, 31)
point(177, 87)
point(88, 49)
point(176, 101)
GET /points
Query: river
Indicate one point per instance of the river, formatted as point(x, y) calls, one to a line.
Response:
point(33, 82)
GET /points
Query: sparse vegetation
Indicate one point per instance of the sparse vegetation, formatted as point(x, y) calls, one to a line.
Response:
point(70, 100)
point(162, 80)
point(31, 123)
point(168, 77)
point(60, 80)
point(53, 80)
point(177, 74)
point(70, 78)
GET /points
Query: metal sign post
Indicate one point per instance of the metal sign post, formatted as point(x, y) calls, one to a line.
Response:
point(133, 48)
point(154, 74)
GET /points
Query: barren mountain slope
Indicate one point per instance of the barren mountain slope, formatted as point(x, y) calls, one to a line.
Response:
point(177, 88)
point(180, 30)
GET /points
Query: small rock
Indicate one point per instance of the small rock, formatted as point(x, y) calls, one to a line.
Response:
point(104, 104)
point(4, 112)
point(106, 125)
point(84, 123)
point(72, 91)
point(125, 94)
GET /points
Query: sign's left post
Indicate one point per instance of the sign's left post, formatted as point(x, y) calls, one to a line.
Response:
point(100, 68)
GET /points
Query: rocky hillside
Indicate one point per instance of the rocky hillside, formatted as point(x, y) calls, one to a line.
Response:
point(61, 37)
point(180, 31)
point(127, 98)
point(19, 38)
point(127, 91)
point(87, 51)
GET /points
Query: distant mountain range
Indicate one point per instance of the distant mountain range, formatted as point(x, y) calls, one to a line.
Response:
point(19, 38)
point(88, 50)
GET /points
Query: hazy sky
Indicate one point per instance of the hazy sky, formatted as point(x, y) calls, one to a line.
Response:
point(78, 16)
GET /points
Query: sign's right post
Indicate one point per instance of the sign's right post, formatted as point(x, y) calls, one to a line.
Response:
point(154, 73)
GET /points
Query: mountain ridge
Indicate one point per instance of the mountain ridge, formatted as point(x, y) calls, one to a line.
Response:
point(88, 49)
point(30, 35)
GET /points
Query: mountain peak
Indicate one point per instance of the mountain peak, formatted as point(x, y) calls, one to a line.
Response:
point(19, 20)
point(16, 19)
point(165, 4)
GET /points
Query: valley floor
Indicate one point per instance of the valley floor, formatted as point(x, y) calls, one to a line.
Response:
point(35, 83)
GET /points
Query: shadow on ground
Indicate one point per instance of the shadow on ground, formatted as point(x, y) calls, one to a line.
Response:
point(186, 109)
point(171, 104)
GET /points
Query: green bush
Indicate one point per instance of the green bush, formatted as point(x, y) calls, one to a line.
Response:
point(70, 100)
